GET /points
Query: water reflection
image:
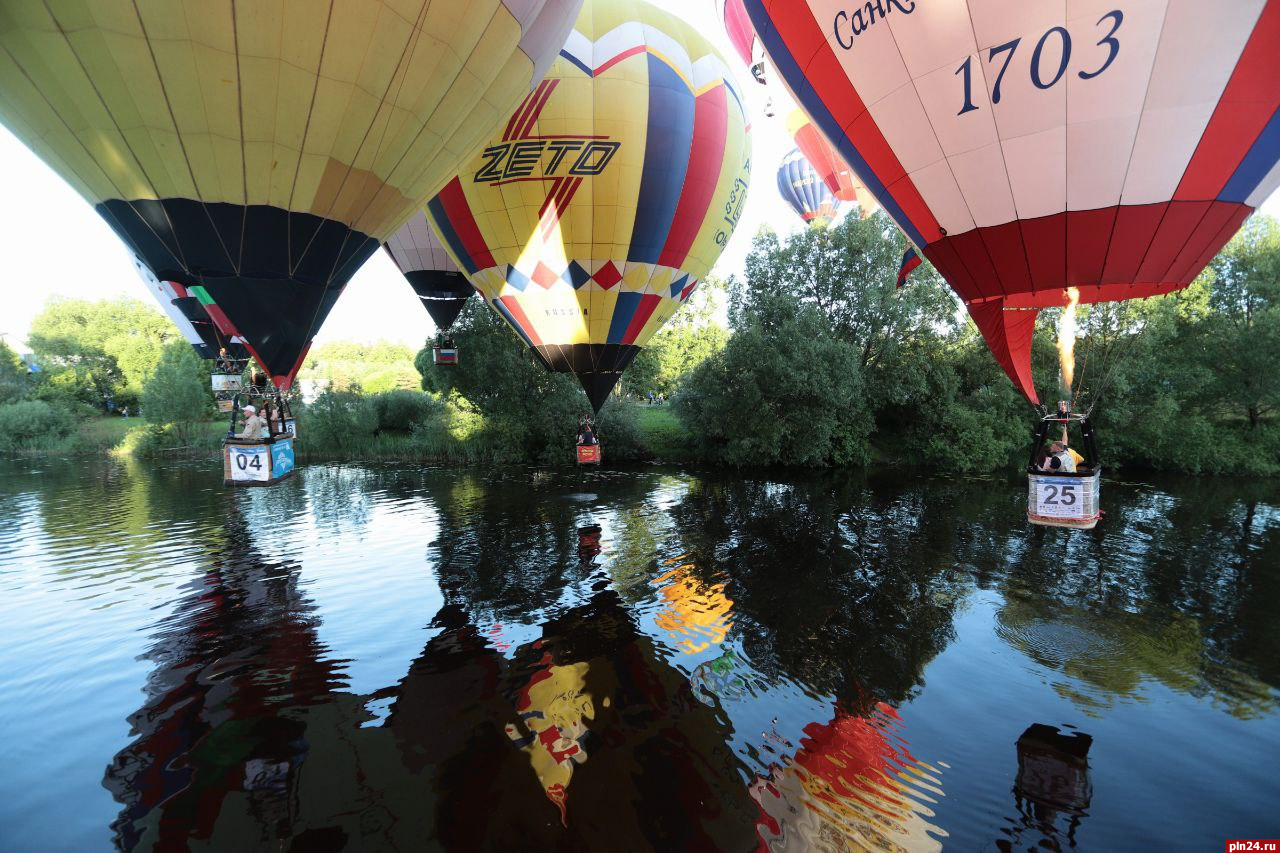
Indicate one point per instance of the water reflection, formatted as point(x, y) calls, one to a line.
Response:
point(639, 660)
point(852, 785)
point(225, 714)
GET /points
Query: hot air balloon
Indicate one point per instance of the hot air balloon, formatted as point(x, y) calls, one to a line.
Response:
point(1028, 148)
point(432, 274)
point(264, 150)
point(835, 173)
point(742, 35)
point(609, 193)
point(191, 318)
point(803, 188)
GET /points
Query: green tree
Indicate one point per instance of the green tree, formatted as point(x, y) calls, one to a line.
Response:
point(178, 391)
point(789, 393)
point(13, 375)
point(99, 350)
point(848, 272)
point(516, 408)
point(1239, 335)
point(691, 337)
point(371, 368)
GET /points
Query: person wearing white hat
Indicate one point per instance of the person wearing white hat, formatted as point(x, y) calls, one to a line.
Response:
point(253, 424)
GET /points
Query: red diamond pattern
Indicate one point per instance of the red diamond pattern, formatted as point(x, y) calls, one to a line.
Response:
point(543, 276)
point(607, 276)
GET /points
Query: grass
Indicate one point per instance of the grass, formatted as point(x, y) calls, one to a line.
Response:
point(662, 434)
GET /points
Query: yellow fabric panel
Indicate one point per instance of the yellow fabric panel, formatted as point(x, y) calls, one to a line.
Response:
point(504, 194)
point(354, 109)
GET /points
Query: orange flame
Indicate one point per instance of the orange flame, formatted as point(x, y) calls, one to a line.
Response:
point(1067, 339)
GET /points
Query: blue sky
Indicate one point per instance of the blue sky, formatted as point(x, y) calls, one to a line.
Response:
point(44, 222)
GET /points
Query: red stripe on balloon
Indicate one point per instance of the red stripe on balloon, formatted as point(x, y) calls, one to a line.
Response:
point(1249, 100)
point(644, 310)
point(706, 160)
point(522, 319)
point(458, 212)
point(1115, 252)
point(1175, 230)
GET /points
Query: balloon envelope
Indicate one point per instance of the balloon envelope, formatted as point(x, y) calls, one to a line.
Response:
point(264, 150)
point(802, 187)
point(609, 194)
point(192, 319)
point(835, 173)
point(418, 252)
point(1031, 147)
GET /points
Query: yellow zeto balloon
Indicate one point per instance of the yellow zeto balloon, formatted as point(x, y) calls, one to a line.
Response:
point(608, 195)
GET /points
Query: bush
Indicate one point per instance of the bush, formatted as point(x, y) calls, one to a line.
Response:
point(400, 411)
point(31, 424)
point(337, 422)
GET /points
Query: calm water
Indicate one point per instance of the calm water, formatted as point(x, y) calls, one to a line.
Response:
point(396, 658)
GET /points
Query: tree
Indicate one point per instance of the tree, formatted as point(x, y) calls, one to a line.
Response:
point(527, 412)
point(13, 375)
point(1240, 333)
point(848, 272)
point(178, 391)
point(102, 350)
point(689, 338)
point(789, 392)
point(371, 368)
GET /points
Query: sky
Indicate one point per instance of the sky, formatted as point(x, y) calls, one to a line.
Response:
point(43, 221)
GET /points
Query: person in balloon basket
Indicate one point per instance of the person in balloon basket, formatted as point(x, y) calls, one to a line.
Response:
point(253, 424)
point(586, 434)
point(1060, 457)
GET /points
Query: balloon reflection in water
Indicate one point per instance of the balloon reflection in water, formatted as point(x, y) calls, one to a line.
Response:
point(849, 783)
point(698, 611)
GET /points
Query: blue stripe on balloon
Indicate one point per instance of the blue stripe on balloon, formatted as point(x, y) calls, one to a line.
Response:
point(666, 159)
point(1255, 166)
point(441, 221)
point(623, 311)
point(578, 62)
point(821, 116)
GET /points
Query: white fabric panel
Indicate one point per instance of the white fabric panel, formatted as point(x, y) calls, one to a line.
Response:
point(998, 21)
point(874, 61)
point(1266, 188)
point(936, 35)
point(1037, 166)
point(544, 25)
point(416, 247)
point(981, 177)
point(937, 184)
point(1103, 113)
point(668, 47)
point(1183, 95)
point(901, 118)
point(615, 42)
point(164, 294)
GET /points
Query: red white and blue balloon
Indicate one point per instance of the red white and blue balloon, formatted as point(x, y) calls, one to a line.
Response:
point(1026, 147)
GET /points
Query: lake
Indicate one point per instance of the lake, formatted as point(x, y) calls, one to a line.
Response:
point(404, 658)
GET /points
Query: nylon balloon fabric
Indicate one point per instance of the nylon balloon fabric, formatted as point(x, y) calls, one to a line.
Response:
point(609, 194)
point(263, 150)
point(835, 173)
point(434, 277)
point(802, 187)
point(1027, 148)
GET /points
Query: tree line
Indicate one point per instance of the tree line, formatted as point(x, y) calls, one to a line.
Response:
point(813, 357)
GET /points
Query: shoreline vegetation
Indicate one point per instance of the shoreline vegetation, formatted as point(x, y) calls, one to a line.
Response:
point(823, 363)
